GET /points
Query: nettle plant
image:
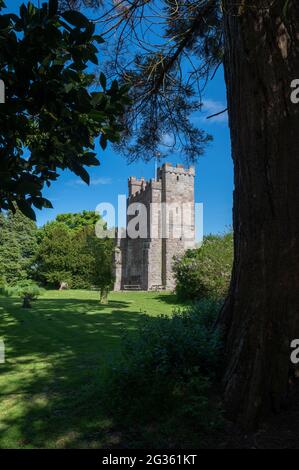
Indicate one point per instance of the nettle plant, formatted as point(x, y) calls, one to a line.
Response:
point(51, 118)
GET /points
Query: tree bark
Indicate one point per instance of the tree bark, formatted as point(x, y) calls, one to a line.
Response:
point(104, 295)
point(261, 313)
point(26, 302)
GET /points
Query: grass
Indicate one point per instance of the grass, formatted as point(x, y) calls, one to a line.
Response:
point(56, 352)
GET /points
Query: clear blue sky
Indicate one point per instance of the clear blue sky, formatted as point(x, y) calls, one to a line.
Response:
point(214, 174)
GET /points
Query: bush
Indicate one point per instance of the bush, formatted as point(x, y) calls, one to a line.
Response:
point(166, 375)
point(206, 271)
point(26, 290)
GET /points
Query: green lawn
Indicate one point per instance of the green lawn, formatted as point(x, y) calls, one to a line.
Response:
point(56, 352)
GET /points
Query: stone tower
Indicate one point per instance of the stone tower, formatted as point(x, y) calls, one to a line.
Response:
point(160, 225)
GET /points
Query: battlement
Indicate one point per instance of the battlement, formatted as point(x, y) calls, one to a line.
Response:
point(135, 185)
point(138, 186)
point(176, 170)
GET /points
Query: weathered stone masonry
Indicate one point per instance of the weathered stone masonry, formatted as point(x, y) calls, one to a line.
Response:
point(146, 262)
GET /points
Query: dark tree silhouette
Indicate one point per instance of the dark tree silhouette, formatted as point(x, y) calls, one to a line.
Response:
point(51, 117)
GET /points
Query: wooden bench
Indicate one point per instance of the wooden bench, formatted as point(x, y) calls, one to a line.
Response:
point(157, 287)
point(132, 287)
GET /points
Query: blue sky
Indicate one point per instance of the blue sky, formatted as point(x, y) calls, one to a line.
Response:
point(214, 172)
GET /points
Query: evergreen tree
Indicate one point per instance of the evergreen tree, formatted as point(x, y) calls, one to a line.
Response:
point(102, 251)
point(55, 254)
point(18, 246)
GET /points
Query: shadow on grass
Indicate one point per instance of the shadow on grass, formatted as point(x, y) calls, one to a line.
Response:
point(170, 299)
point(51, 384)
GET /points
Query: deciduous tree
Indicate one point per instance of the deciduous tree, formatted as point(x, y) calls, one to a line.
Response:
point(69, 251)
point(51, 117)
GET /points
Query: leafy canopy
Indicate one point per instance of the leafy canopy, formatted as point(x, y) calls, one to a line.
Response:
point(78, 220)
point(205, 271)
point(69, 251)
point(26, 288)
point(51, 118)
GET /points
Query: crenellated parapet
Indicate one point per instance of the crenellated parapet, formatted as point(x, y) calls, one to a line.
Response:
point(178, 170)
point(139, 189)
point(138, 186)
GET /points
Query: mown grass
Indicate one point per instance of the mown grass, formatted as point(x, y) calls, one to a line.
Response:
point(56, 354)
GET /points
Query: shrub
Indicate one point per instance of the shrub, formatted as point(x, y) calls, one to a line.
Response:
point(166, 374)
point(27, 290)
point(206, 271)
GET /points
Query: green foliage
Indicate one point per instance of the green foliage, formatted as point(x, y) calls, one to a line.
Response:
point(18, 246)
point(102, 251)
point(70, 252)
point(2, 285)
point(82, 260)
point(55, 254)
point(49, 109)
point(78, 220)
point(166, 373)
point(206, 271)
point(26, 290)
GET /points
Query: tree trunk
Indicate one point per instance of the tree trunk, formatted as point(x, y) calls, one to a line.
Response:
point(261, 313)
point(104, 295)
point(26, 301)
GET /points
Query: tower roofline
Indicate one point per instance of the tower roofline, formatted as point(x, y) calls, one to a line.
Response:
point(178, 169)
